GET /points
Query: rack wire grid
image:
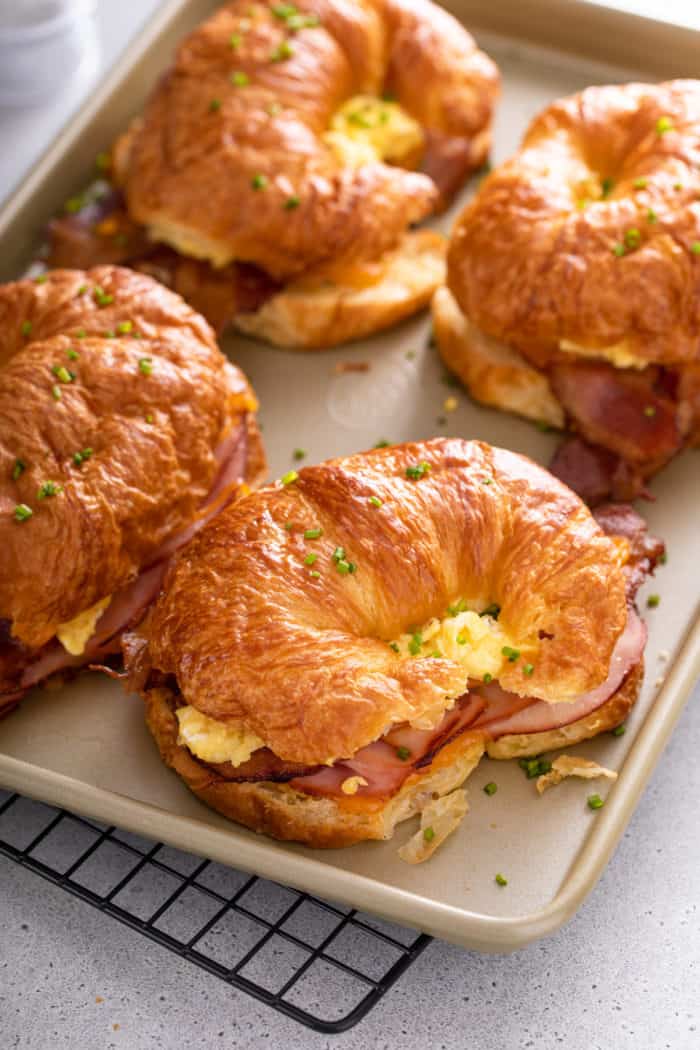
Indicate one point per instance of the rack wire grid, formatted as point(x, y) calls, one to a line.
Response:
point(323, 964)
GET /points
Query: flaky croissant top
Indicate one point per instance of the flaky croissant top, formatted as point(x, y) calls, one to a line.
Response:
point(588, 238)
point(114, 399)
point(281, 613)
point(229, 161)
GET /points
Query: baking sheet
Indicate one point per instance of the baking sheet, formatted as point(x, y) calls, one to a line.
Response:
point(86, 747)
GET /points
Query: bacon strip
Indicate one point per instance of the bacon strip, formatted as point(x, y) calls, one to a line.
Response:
point(619, 519)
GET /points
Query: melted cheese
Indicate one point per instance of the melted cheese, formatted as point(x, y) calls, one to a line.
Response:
point(472, 641)
point(618, 355)
point(215, 741)
point(367, 129)
point(75, 634)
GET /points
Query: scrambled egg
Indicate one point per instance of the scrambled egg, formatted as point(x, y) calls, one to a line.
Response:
point(618, 355)
point(214, 741)
point(75, 634)
point(470, 640)
point(366, 129)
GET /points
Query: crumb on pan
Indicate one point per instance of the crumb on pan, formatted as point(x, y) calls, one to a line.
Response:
point(438, 820)
point(572, 766)
point(351, 366)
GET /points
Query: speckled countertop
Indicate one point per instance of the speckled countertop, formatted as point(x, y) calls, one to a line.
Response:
point(624, 973)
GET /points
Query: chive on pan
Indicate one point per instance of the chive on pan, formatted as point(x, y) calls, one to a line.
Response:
point(334, 653)
point(573, 284)
point(279, 166)
point(123, 429)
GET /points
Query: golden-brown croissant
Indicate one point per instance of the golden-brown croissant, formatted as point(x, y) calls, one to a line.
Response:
point(335, 649)
point(573, 288)
point(284, 137)
point(123, 428)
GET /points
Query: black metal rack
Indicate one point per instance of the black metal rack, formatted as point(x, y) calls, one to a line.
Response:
point(320, 963)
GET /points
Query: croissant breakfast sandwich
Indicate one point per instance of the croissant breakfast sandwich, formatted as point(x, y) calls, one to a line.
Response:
point(123, 429)
point(283, 159)
point(335, 652)
point(573, 284)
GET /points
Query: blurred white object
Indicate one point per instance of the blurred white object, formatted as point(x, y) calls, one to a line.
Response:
point(43, 45)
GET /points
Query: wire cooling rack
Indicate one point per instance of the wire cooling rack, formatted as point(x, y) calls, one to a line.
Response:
point(320, 963)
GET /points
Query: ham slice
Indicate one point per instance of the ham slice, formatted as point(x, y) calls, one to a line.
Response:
point(506, 713)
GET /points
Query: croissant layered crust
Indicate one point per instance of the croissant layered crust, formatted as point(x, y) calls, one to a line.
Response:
point(288, 613)
point(120, 420)
point(231, 159)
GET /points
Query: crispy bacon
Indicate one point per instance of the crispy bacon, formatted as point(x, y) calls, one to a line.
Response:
point(619, 519)
point(594, 473)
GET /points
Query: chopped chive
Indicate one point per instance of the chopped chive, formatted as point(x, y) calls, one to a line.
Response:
point(63, 374)
point(72, 355)
point(289, 525)
point(299, 453)
point(315, 573)
point(42, 278)
point(462, 638)
point(663, 558)
point(490, 788)
point(488, 677)
point(640, 184)
point(651, 215)
point(101, 297)
point(124, 327)
point(653, 600)
point(606, 187)
point(695, 247)
point(82, 289)
point(633, 238)
point(215, 105)
point(375, 501)
point(80, 457)
point(619, 730)
point(23, 512)
point(146, 366)
point(235, 41)
point(282, 52)
point(492, 610)
point(457, 607)
point(297, 22)
point(417, 470)
point(501, 879)
point(289, 478)
point(414, 646)
point(149, 417)
point(663, 125)
point(511, 653)
point(239, 78)
point(487, 481)
point(18, 469)
point(48, 489)
point(26, 329)
point(291, 203)
point(403, 753)
point(313, 534)
point(259, 182)
point(56, 392)
point(109, 334)
point(436, 654)
point(428, 834)
point(310, 559)
point(618, 250)
point(595, 802)
point(395, 647)
point(382, 443)
point(283, 11)
point(528, 669)
point(338, 554)
point(80, 334)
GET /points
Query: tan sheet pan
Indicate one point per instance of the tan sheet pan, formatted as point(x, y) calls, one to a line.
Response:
point(86, 748)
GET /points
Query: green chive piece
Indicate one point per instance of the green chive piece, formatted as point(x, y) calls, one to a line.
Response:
point(640, 184)
point(62, 373)
point(291, 203)
point(338, 554)
point(80, 457)
point(282, 52)
point(80, 334)
point(492, 610)
point(297, 22)
point(382, 443)
point(618, 250)
point(501, 879)
point(41, 279)
point(403, 753)
point(235, 41)
point(663, 125)
point(283, 11)
point(428, 834)
point(633, 238)
point(149, 417)
point(18, 469)
point(417, 470)
point(461, 638)
point(101, 297)
point(72, 355)
point(74, 204)
point(259, 182)
point(490, 788)
point(82, 290)
point(215, 105)
point(299, 453)
point(310, 559)
point(488, 677)
point(606, 187)
point(395, 647)
point(653, 600)
point(124, 327)
point(23, 512)
point(619, 730)
point(651, 215)
point(146, 366)
point(56, 392)
point(511, 653)
point(343, 567)
point(457, 607)
point(315, 573)
point(528, 669)
point(414, 646)
point(48, 489)
point(26, 329)
point(289, 478)
point(595, 802)
point(650, 411)
point(375, 501)
point(695, 247)
point(240, 79)
point(664, 558)
point(313, 534)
